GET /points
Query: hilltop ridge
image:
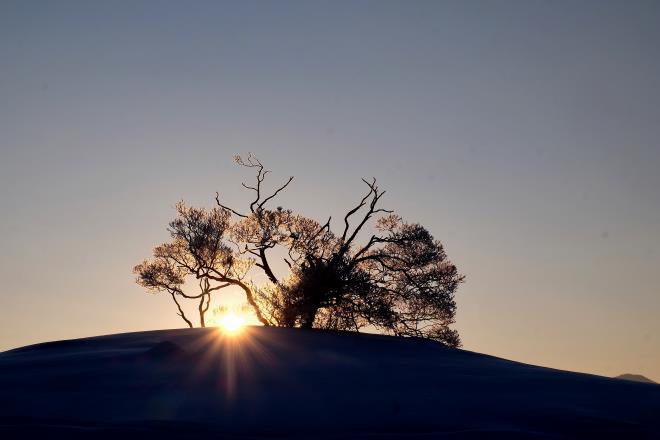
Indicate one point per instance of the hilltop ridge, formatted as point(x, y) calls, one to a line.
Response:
point(292, 383)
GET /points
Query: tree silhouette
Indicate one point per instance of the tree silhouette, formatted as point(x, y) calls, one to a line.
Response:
point(399, 280)
point(197, 253)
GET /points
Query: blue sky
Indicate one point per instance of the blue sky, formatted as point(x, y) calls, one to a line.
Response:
point(523, 134)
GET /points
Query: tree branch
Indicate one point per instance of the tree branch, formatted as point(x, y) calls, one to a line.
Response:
point(266, 267)
point(217, 200)
point(357, 208)
point(275, 193)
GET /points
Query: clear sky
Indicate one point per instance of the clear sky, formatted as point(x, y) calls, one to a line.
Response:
point(525, 135)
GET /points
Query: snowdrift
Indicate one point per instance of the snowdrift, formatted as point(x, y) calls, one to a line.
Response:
point(292, 383)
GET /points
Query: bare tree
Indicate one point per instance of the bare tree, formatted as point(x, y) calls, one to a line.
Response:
point(261, 229)
point(399, 280)
point(197, 254)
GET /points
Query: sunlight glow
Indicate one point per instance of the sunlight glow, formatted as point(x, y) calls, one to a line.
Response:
point(232, 323)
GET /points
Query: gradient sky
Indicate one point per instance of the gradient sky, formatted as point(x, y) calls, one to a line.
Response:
point(523, 134)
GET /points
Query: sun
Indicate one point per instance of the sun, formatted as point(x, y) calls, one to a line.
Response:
point(232, 323)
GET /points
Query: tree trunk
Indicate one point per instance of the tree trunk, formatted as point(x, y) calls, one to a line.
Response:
point(203, 307)
point(181, 313)
point(307, 320)
point(250, 300)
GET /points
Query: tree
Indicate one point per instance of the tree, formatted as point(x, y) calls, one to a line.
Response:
point(400, 280)
point(197, 252)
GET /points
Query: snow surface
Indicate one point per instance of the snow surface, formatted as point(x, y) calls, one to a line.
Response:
point(292, 383)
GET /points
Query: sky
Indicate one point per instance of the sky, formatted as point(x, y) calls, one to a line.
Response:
point(525, 135)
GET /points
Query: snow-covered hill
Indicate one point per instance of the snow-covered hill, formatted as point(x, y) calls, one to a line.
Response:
point(291, 383)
